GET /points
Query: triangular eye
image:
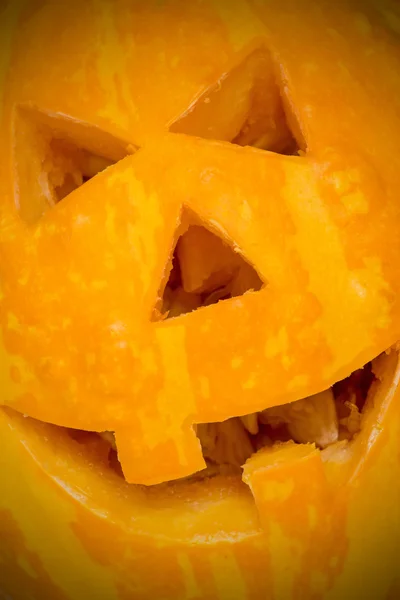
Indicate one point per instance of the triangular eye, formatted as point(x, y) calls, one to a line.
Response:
point(54, 155)
point(245, 107)
point(205, 270)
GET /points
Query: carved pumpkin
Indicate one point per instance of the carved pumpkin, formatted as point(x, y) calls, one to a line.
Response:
point(199, 283)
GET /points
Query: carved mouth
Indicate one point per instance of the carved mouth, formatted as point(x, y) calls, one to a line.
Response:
point(328, 419)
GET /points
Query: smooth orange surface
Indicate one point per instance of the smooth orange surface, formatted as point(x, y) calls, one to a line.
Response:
point(80, 280)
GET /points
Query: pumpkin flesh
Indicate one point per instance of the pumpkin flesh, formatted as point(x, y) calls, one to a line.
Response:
point(69, 343)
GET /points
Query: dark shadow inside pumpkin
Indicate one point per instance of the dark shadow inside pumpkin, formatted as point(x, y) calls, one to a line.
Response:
point(246, 106)
point(63, 155)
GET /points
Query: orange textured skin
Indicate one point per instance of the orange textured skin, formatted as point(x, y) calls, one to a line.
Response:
point(79, 283)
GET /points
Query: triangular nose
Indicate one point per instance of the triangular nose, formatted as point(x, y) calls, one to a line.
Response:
point(205, 270)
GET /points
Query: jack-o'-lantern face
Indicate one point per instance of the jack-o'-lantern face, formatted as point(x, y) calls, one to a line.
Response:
point(199, 254)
